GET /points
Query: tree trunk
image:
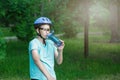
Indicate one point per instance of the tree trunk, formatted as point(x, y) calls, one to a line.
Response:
point(86, 25)
point(118, 1)
point(114, 20)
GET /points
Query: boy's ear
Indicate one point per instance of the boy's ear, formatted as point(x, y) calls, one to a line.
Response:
point(37, 30)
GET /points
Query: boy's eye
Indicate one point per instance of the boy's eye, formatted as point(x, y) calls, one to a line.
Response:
point(45, 29)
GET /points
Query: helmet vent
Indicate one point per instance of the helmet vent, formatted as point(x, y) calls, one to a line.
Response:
point(43, 19)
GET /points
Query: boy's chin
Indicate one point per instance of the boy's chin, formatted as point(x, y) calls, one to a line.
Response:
point(45, 37)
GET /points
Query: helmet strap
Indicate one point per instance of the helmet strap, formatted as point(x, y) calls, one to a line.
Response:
point(41, 37)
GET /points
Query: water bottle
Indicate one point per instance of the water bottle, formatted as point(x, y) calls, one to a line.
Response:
point(52, 37)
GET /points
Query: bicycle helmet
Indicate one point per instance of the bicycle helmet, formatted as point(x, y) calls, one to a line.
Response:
point(42, 20)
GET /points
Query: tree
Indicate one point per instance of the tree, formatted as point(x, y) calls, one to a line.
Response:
point(86, 4)
point(2, 46)
point(114, 21)
point(118, 1)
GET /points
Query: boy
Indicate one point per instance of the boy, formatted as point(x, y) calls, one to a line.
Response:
point(43, 52)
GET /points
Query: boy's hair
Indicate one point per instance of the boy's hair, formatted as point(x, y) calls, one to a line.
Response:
point(38, 25)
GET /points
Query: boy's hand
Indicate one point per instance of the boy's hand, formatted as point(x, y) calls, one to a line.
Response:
point(62, 46)
point(51, 78)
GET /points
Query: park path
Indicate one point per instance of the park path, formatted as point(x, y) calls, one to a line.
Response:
point(11, 38)
point(14, 38)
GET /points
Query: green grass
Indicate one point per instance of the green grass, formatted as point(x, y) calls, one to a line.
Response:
point(16, 62)
point(102, 63)
point(103, 60)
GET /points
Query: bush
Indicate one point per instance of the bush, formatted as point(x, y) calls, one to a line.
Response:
point(24, 31)
point(2, 46)
point(70, 26)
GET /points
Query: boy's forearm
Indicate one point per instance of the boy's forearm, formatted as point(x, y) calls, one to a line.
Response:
point(42, 68)
point(60, 57)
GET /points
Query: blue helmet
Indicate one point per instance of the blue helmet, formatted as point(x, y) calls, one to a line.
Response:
point(42, 20)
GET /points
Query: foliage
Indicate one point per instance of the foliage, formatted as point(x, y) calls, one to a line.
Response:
point(17, 15)
point(24, 31)
point(2, 46)
point(67, 15)
point(7, 31)
point(70, 26)
point(13, 11)
point(64, 20)
point(21, 13)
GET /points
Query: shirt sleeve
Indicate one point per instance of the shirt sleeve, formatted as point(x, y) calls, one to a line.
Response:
point(33, 45)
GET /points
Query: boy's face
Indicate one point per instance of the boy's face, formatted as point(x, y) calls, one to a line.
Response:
point(44, 30)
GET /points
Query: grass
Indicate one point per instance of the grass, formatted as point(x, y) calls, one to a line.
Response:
point(16, 62)
point(103, 60)
point(102, 63)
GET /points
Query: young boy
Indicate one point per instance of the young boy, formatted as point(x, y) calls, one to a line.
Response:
point(43, 52)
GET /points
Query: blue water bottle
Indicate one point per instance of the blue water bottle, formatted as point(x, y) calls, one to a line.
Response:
point(52, 37)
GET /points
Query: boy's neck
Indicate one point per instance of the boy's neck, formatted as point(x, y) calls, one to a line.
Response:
point(40, 39)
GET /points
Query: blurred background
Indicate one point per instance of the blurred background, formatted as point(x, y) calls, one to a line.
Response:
point(90, 29)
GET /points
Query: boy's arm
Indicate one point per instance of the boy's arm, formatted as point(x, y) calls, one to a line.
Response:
point(40, 65)
point(59, 57)
point(59, 53)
